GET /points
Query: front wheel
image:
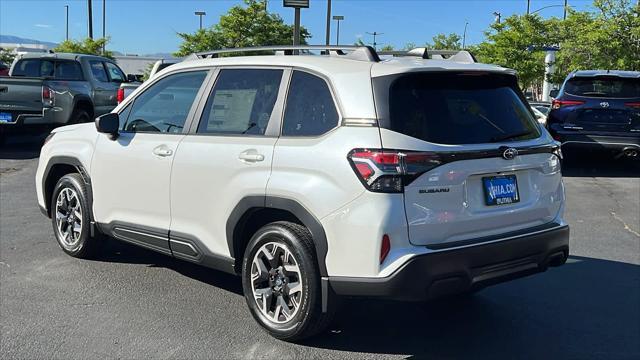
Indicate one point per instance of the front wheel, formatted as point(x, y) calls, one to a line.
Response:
point(281, 282)
point(70, 217)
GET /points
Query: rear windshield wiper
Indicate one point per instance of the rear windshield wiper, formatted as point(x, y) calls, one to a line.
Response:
point(510, 136)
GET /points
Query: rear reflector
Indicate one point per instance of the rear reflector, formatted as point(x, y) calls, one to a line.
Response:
point(633, 104)
point(385, 247)
point(557, 104)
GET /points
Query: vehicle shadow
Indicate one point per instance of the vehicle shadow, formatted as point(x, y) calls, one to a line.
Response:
point(120, 252)
point(22, 147)
point(588, 308)
point(599, 165)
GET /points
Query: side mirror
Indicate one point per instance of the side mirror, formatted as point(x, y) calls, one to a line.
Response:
point(553, 93)
point(132, 78)
point(108, 124)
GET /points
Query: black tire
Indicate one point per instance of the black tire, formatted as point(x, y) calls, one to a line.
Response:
point(83, 246)
point(309, 319)
point(79, 116)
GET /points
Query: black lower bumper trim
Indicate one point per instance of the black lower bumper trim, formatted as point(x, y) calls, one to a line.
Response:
point(448, 272)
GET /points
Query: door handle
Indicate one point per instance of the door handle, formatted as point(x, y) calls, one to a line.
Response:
point(251, 156)
point(162, 151)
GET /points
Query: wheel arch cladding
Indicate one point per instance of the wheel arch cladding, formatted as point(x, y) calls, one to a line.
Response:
point(253, 212)
point(57, 167)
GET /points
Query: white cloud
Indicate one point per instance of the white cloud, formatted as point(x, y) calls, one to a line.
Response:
point(45, 26)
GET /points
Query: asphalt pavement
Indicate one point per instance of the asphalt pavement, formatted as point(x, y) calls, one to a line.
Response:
point(131, 303)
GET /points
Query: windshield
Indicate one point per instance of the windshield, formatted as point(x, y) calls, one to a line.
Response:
point(603, 86)
point(460, 108)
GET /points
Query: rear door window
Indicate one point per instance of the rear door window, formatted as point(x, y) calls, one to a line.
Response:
point(603, 86)
point(98, 71)
point(68, 70)
point(310, 109)
point(241, 102)
point(459, 108)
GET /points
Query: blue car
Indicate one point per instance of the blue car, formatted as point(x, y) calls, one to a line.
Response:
point(598, 109)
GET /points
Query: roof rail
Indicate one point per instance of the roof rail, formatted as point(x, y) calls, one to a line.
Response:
point(362, 53)
point(452, 55)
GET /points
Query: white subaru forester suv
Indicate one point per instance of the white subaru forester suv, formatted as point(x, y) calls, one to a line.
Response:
point(318, 175)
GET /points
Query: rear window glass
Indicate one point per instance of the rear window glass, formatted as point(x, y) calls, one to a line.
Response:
point(459, 109)
point(603, 86)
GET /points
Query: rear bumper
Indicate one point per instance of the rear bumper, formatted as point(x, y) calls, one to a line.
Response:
point(612, 142)
point(458, 270)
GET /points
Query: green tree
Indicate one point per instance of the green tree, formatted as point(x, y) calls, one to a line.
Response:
point(608, 38)
point(86, 46)
point(445, 42)
point(241, 26)
point(512, 44)
point(387, 48)
point(7, 56)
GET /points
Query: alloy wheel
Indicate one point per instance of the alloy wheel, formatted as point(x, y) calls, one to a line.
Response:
point(276, 282)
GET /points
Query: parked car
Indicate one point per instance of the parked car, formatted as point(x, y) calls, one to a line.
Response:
point(56, 89)
point(541, 106)
point(598, 110)
point(540, 117)
point(127, 88)
point(314, 177)
point(4, 69)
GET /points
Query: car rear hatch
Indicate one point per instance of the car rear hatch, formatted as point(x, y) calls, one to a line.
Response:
point(476, 163)
point(602, 104)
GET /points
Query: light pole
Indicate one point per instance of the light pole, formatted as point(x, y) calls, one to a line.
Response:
point(551, 6)
point(338, 18)
point(464, 35)
point(528, 6)
point(90, 17)
point(104, 36)
point(200, 14)
point(375, 33)
point(66, 8)
point(498, 16)
point(328, 37)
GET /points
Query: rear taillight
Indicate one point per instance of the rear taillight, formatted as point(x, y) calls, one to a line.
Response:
point(557, 104)
point(48, 96)
point(388, 171)
point(120, 95)
point(633, 104)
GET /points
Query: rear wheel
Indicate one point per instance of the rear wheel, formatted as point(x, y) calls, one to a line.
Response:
point(281, 282)
point(70, 217)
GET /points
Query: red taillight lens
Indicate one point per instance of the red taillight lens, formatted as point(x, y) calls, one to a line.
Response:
point(47, 96)
point(385, 247)
point(390, 170)
point(120, 95)
point(633, 104)
point(557, 104)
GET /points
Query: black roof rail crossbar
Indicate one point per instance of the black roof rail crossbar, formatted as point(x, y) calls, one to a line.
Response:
point(453, 55)
point(365, 53)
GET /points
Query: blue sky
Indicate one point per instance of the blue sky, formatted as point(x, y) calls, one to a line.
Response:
point(150, 26)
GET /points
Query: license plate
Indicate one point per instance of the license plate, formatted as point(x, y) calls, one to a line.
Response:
point(5, 118)
point(500, 190)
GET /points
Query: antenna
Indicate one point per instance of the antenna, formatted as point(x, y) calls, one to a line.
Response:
point(375, 33)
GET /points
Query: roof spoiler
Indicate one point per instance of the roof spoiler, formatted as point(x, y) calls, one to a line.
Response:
point(462, 56)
